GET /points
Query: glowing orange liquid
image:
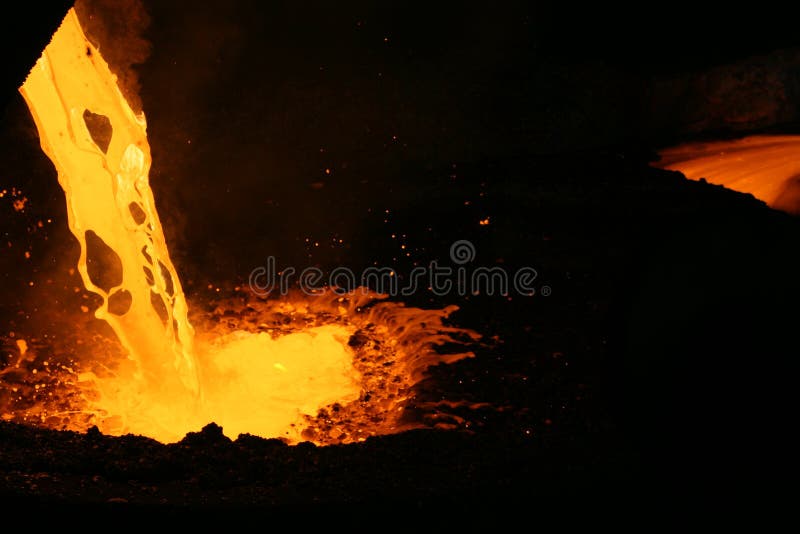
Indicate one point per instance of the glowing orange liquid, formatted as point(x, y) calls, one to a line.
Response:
point(766, 166)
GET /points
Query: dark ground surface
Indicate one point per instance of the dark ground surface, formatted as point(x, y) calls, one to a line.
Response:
point(661, 367)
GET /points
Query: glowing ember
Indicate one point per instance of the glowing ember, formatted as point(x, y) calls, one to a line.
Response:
point(327, 368)
point(766, 166)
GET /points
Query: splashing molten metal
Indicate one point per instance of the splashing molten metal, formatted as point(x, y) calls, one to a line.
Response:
point(328, 368)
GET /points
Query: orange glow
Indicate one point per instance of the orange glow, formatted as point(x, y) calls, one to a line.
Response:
point(766, 166)
point(327, 368)
point(19, 204)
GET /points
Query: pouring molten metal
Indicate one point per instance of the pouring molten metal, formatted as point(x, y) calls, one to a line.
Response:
point(329, 368)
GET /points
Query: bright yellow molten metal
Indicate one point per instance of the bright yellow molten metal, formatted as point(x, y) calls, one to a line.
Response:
point(244, 381)
point(108, 195)
point(284, 377)
point(253, 383)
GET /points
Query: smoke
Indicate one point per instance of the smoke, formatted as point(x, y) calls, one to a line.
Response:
point(116, 28)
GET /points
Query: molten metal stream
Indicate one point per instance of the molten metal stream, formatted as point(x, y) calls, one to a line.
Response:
point(111, 209)
point(250, 378)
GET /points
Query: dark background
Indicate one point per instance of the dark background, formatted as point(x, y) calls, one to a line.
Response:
point(282, 123)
